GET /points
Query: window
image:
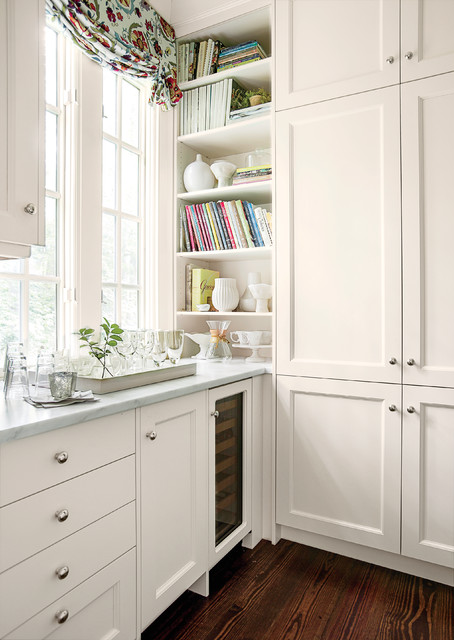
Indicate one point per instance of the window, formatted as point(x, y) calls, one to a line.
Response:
point(43, 299)
point(123, 200)
point(30, 290)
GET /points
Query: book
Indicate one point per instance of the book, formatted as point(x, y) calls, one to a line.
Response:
point(238, 229)
point(261, 225)
point(208, 57)
point(188, 286)
point(253, 219)
point(244, 222)
point(227, 224)
point(192, 240)
point(201, 59)
point(202, 287)
point(220, 225)
point(216, 51)
point(213, 224)
point(208, 227)
point(252, 226)
point(196, 228)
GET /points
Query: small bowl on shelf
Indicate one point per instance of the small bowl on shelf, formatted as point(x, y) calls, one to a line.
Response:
point(203, 307)
point(223, 172)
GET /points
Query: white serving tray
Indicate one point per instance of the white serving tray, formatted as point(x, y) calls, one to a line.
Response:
point(118, 383)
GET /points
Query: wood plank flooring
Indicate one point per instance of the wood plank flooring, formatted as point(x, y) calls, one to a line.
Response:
point(293, 592)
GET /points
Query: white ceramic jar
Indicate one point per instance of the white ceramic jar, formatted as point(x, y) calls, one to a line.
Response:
point(198, 175)
point(225, 294)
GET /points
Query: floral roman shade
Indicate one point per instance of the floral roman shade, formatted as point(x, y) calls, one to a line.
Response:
point(127, 36)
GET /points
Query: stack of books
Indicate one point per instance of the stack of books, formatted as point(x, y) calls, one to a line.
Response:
point(206, 107)
point(249, 112)
point(197, 59)
point(239, 54)
point(217, 226)
point(252, 174)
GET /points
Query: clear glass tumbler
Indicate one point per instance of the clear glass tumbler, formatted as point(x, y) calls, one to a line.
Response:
point(174, 341)
point(159, 349)
point(16, 377)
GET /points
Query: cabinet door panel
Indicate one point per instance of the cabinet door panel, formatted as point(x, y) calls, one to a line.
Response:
point(428, 475)
point(174, 500)
point(22, 120)
point(428, 229)
point(338, 460)
point(427, 34)
point(329, 49)
point(338, 195)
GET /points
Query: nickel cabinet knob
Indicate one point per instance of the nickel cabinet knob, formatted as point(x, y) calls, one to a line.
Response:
point(215, 414)
point(392, 361)
point(62, 616)
point(392, 407)
point(409, 55)
point(61, 457)
point(151, 435)
point(62, 572)
point(411, 409)
point(62, 515)
point(30, 209)
point(410, 362)
point(390, 60)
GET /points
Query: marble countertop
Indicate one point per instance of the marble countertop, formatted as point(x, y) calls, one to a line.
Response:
point(18, 419)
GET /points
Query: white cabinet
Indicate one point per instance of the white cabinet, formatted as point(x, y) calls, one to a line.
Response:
point(338, 264)
point(230, 467)
point(21, 125)
point(428, 229)
point(428, 475)
point(59, 549)
point(332, 48)
point(174, 500)
point(338, 459)
point(427, 38)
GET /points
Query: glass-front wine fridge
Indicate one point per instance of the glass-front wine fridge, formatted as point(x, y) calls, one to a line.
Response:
point(230, 466)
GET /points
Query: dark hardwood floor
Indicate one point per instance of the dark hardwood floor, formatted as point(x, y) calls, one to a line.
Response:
point(293, 592)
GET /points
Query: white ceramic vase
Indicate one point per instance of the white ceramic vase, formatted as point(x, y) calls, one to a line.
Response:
point(247, 300)
point(262, 293)
point(223, 171)
point(225, 294)
point(198, 175)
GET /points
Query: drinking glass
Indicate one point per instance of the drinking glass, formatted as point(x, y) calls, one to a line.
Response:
point(45, 365)
point(174, 341)
point(159, 347)
point(12, 349)
point(62, 384)
point(16, 377)
point(125, 349)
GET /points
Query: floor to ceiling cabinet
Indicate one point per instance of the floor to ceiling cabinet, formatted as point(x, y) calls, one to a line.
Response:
point(338, 284)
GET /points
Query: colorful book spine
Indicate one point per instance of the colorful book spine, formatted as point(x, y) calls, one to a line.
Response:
point(202, 286)
point(261, 224)
point(228, 225)
point(195, 225)
point(244, 222)
point(209, 227)
point(203, 231)
point(184, 222)
point(214, 224)
point(220, 225)
point(254, 223)
point(242, 242)
point(251, 224)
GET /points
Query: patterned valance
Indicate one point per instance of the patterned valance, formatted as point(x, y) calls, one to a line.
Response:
point(129, 37)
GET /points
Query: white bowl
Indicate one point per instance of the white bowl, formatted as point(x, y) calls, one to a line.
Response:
point(223, 172)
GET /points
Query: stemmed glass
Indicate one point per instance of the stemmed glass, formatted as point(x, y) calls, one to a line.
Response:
point(125, 350)
point(159, 347)
point(174, 341)
point(144, 346)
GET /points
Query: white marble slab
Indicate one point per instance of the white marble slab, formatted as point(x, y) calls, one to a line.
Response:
point(18, 419)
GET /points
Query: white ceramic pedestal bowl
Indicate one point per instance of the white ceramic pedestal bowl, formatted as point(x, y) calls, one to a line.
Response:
point(223, 172)
point(262, 293)
point(203, 340)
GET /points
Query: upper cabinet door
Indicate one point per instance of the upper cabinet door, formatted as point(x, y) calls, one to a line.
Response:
point(22, 121)
point(427, 38)
point(331, 48)
point(338, 265)
point(428, 230)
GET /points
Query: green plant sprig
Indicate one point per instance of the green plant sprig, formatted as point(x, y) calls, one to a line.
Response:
point(100, 350)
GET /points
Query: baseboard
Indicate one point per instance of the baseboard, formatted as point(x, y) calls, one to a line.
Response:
point(394, 561)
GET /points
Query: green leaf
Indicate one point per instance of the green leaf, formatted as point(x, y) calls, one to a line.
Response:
point(88, 331)
point(116, 329)
point(112, 343)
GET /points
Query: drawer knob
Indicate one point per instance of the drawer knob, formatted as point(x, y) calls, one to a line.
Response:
point(392, 361)
point(390, 60)
point(409, 55)
point(392, 407)
point(62, 515)
point(411, 409)
point(151, 435)
point(62, 572)
point(410, 362)
point(62, 616)
point(30, 209)
point(215, 414)
point(61, 457)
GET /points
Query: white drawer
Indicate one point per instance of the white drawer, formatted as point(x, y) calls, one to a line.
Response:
point(30, 525)
point(102, 607)
point(33, 584)
point(29, 465)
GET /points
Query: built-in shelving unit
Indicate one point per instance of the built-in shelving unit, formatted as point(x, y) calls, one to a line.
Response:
point(233, 143)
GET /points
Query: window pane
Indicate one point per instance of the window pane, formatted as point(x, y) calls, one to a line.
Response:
point(9, 314)
point(42, 316)
point(51, 151)
point(109, 244)
point(129, 309)
point(51, 67)
point(129, 182)
point(109, 303)
point(109, 164)
point(11, 266)
point(129, 252)
point(43, 260)
point(130, 114)
point(109, 101)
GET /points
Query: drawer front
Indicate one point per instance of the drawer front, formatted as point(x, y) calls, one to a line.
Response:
point(30, 525)
point(30, 465)
point(31, 585)
point(102, 607)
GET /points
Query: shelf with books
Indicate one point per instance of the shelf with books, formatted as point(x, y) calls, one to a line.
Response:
point(257, 253)
point(252, 75)
point(235, 138)
point(257, 192)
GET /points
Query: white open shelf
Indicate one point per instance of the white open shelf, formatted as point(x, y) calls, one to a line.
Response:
point(250, 76)
point(256, 192)
point(238, 137)
point(256, 253)
point(225, 314)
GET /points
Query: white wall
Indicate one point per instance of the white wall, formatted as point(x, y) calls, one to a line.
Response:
point(189, 16)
